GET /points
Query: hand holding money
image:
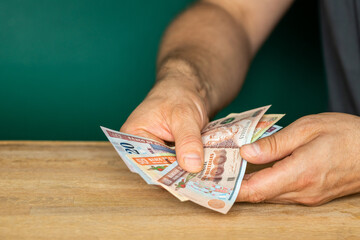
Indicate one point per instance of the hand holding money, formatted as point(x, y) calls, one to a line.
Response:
point(218, 184)
point(317, 160)
point(173, 112)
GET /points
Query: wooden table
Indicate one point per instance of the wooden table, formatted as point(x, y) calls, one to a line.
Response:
point(82, 190)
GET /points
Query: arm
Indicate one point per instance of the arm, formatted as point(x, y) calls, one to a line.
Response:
point(213, 43)
point(202, 61)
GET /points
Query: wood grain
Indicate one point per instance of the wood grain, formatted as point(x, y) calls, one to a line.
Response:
point(82, 190)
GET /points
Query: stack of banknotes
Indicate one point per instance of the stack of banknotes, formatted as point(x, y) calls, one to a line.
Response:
point(217, 185)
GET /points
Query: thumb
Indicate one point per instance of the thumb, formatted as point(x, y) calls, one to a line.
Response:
point(276, 146)
point(188, 144)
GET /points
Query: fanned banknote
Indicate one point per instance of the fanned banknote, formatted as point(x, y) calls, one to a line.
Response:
point(143, 156)
point(273, 129)
point(264, 124)
point(217, 185)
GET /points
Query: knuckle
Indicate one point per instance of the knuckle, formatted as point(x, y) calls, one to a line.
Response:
point(185, 122)
point(132, 128)
point(255, 196)
point(179, 111)
point(311, 201)
point(305, 181)
point(191, 140)
point(188, 113)
point(307, 178)
point(309, 119)
point(272, 143)
point(126, 128)
point(311, 124)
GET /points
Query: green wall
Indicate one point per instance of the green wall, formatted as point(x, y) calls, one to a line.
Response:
point(67, 67)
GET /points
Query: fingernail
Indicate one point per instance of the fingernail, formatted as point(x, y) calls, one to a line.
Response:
point(193, 162)
point(251, 150)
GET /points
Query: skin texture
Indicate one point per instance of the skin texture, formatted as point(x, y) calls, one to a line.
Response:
point(318, 161)
point(203, 58)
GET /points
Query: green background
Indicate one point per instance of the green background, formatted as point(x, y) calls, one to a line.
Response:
point(67, 67)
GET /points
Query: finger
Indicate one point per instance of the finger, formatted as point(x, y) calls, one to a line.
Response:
point(145, 134)
point(268, 183)
point(281, 144)
point(188, 145)
point(138, 131)
point(308, 185)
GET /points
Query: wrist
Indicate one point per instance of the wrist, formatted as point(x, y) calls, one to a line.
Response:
point(181, 78)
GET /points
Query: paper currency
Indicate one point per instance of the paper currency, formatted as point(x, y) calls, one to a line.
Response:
point(217, 185)
point(264, 124)
point(143, 156)
point(273, 129)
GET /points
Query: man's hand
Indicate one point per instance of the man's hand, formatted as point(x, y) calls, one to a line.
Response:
point(319, 160)
point(172, 112)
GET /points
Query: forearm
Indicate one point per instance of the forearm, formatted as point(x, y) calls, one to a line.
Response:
point(205, 45)
point(212, 43)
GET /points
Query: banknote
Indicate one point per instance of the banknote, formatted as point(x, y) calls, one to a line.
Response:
point(126, 144)
point(217, 185)
point(143, 156)
point(273, 129)
point(153, 165)
point(227, 132)
point(264, 124)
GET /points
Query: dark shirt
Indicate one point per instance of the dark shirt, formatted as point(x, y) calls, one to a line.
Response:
point(340, 26)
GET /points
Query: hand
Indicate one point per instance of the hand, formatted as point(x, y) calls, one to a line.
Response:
point(173, 111)
point(319, 160)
